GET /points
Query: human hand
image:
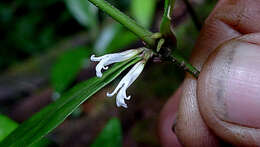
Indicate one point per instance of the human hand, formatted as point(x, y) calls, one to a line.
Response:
point(223, 105)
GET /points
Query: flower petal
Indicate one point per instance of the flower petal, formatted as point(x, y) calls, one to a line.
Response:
point(116, 90)
point(135, 71)
point(121, 102)
point(127, 80)
point(94, 58)
point(113, 58)
point(121, 96)
point(99, 68)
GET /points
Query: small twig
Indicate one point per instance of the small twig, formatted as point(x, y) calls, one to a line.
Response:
point(126, 21)
point(141, 32)
point(175, 57)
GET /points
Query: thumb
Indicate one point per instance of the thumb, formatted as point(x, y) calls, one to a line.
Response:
point(229, 91)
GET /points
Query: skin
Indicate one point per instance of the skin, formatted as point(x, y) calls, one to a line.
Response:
point(222, 107)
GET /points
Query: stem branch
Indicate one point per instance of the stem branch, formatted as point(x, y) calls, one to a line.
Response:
point(176, 57)
point(125, 20)
point(141, 32)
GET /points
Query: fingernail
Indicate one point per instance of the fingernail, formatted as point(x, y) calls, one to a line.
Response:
point(236, 72)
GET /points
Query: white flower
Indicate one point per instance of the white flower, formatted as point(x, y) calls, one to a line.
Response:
point(128, 79)
point(113, 58)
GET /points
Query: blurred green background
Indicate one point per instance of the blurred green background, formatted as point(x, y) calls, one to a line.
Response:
point(45, 48)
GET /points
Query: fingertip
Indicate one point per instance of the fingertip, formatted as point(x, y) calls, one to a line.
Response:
point(228, 91)
point(166, 121)
point(191, 128)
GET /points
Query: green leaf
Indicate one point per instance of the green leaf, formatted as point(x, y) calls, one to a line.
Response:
point(54, 114)
point(143, 11)
point(111, 135)
point(83, 11)
point(165, 26)
point(7, 126)
point(122, 39)
point(67, 67)
point(108, 40)
point(105, 37)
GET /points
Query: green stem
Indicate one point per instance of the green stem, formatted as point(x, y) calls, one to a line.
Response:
point(125, 20)
point(141, 32)
point(176, 57)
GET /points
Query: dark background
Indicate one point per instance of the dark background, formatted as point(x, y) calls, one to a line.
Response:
point(41, 42)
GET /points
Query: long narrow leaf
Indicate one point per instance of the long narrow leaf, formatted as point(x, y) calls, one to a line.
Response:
point(83, 11)
point(165, 26)
point(7, 126)
point(51, 116)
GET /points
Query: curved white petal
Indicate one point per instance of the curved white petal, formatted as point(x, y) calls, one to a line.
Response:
point(121, 102)
point(121, 96)
point(120, 57)
point(116, 90)
point(135, 71)
point(94, 58)
point(99, 68)
point(128, 97)
point(127, 80)
point(98, 71)
point(113, 58)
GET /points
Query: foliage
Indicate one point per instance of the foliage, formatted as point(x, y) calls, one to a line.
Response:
point(143, 11)
point(30, 28)
point(111, 135)
point(83, 11)
point(51, 116)
point(68, 66)
point(7, 126)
